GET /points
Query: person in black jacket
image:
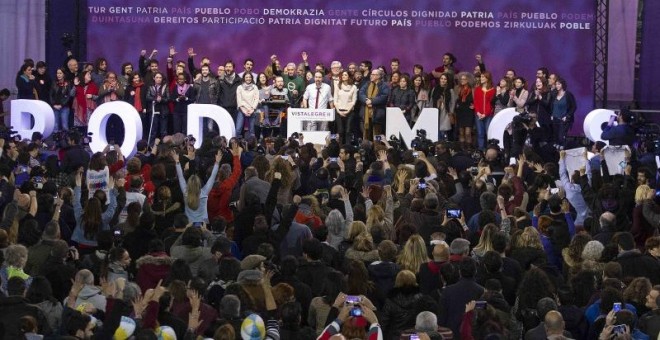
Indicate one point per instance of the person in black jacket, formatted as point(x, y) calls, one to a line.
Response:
point(562, 106)
point(15, 306)
point(399, 311)
point(75, 155)
point(633, 262)
point(182, 95)
point(456, 296)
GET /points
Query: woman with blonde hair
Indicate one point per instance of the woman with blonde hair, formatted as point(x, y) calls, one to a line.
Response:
point(290, 178)
point(380, 217)
point(356, 228)
point(196, 196)
point(527, 249)
point(363, 249)
point(399, 312)
point(485, 241)
point(413, 254)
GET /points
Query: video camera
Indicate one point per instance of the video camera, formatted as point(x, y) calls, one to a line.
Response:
point(8, 134)
point(421, 143)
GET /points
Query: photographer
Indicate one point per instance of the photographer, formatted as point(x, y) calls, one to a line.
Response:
point(622, 133)
point(353, 318)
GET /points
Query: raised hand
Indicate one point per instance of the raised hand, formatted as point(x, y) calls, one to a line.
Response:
point(175, 156)
point(304, 56)
point(191, 52)
point(172, 51)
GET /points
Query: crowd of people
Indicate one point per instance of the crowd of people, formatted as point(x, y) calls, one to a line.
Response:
point(359, 94)
point(276, 238)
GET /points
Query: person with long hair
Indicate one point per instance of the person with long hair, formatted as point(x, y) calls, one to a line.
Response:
point(247, 99)
point(502, 94)
point(422, 99)
point(84, 102)
point(443, 97)
point(25, 82)
point(60, 95)
point(196, 196)
point(264, 95)
point(136, 95)
point(562, 108)
point(538, 102)
point(402, 96)
point(345, 97)
point(528, 249)
point(321, 306)
point(359, 283)
point(465, 109)
point(534, 286)
point(40, 294)
point(572, 255)
point(115, 264)
point(413, 254)
point(484, 94)
point(485, 242)
point(93, 219)
point(518, 95)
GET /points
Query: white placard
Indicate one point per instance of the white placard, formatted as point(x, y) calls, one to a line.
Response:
point(614, 155)
point(575, 160)
point(296, 117)
point(396, 124)
point(44, 117)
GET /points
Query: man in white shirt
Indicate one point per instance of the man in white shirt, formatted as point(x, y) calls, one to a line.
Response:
point(317, 96)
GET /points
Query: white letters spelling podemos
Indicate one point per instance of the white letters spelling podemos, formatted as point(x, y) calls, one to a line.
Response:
point(44, 122)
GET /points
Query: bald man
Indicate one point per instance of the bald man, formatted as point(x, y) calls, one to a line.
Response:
point(554, 326)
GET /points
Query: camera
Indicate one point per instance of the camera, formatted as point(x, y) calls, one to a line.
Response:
point(189, 139)
point(333, 159)
point(481, 304)
point(7, 134)
point(355, 311)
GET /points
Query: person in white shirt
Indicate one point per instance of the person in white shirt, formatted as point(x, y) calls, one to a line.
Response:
point(317, 96)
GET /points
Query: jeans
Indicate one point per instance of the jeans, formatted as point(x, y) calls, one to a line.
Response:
point(482, 131)
point(179, 122)
point(62, 118)
point(343, 127)
point(240, 123)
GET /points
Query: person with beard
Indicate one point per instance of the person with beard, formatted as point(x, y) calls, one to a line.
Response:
point(126, 74)
point(294, 83)
point(100, 71)
point(279, 102)
point(228, 85)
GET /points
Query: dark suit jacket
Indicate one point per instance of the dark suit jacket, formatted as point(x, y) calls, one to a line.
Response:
point(454, 299)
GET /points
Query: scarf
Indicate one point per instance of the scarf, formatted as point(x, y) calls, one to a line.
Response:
point(248, 87)
point(465, 92)
point(137, 99)
point(181, 90)
point(372, 91)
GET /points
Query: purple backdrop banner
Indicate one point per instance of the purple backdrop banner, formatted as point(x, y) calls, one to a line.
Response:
point(518, 34)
